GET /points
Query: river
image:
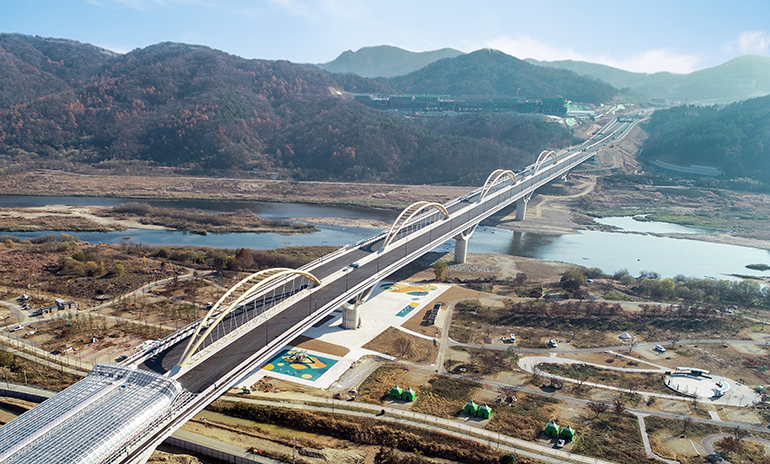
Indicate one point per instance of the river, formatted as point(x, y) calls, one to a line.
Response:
point(610, 251)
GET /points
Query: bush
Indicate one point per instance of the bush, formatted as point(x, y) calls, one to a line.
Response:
point(441, 269)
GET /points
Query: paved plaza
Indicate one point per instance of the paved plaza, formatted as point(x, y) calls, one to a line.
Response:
point(391, 305)
point(713, 389)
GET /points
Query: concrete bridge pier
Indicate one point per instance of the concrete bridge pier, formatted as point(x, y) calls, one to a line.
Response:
point(461, 249)
point(351, 313)
point(461, 245)
point(521, 208)
point(351, 318)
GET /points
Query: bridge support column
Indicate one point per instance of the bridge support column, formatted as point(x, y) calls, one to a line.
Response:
point(461, 249)
point(461, 244)
point(521, 209)
point(350, 315)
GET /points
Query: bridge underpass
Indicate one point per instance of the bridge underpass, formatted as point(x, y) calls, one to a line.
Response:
point(231, 357)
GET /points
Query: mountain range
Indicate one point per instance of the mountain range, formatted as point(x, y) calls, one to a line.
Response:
point(74, 106)
point(385, 61)
point(741, 78)
point(492, 73)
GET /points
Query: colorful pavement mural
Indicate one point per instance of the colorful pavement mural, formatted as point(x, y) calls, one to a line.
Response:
point(407, 310)
point(414, 290)
point(300, 364)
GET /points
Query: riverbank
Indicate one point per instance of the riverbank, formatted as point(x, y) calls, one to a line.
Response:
point(73, 219)
point(389, 196)
point(569, 207)
point(561, 208)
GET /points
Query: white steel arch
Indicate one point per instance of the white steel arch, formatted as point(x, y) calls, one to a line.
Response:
point(232, 299)
point(543, 156)
point(493, 178)
point(407, 214)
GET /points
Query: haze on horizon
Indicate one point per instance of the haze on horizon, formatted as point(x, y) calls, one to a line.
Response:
point(650, 36)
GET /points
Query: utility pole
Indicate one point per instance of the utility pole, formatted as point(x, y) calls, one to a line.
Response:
point(293, 450)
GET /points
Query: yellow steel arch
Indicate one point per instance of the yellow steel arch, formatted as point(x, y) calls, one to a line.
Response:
point(543, 156)
point(493, 178)
point(231, 299)
point(407, 214)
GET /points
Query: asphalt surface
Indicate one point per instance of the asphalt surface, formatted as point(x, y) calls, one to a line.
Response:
point(225, 360)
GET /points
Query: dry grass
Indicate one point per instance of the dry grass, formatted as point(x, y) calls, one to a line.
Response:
point(21, 370)
point(647, 382)
point(445, 396)
point(51, 183)
point(402, 345)
point(17, 221)
point(526, 419)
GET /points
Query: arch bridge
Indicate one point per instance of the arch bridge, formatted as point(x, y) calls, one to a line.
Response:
point(234, 299)
point(403, 220)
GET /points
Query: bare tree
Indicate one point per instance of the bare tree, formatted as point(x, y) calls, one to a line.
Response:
point(740, 433)
point(581, 380)
point(536, 373)
point(675, 338)
point(631, 346)
point(618, 407)
point(598, 407)
point(685, 424)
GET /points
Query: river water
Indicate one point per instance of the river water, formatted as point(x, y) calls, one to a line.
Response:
point(609, 251)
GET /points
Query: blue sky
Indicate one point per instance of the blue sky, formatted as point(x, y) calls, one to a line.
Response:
point(644, 36)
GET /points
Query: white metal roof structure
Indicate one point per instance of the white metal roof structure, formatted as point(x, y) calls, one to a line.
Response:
point(88, 421)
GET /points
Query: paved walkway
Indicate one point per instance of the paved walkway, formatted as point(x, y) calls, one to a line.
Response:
point(214, 448)
point(28, 390)
point(646, 440)
point(708, 443)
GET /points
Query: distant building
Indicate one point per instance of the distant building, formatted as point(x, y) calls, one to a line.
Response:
point(444, 105)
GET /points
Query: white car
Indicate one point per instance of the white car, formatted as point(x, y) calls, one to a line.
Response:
point(552, 343)
point(659, 349)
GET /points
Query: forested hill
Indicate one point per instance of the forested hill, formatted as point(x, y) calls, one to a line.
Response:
point(743, 77)
point(735, 138)
point(385, 61)
point(493, 73)
point(67, 105)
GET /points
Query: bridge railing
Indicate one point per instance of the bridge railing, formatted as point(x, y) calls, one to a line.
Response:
point(161, 344)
